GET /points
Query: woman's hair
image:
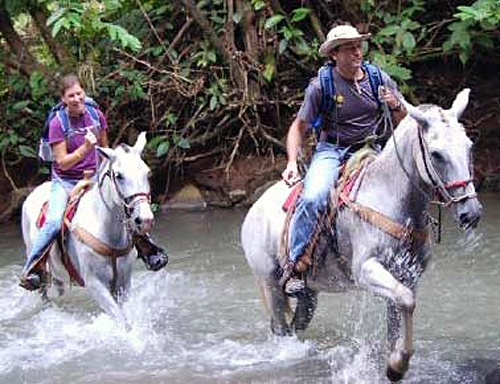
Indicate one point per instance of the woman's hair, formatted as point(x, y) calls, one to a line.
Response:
point(67, 82)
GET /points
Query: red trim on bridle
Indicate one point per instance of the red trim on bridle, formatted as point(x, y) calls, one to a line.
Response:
point(458, 184)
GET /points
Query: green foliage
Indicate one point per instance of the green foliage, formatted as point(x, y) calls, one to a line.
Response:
point(206, 56)
point(86, 23)
point(189, 92)
point(27, 101)
point(162, 144)
point(39, 86)
point(216, 94)
point(396, 42)
point(130, 87)
point(476, 24)
point(258, 4)
point(291, 37)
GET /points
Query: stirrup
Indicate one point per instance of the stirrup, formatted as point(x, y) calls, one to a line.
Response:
point(295, 287)
point(153, 255)
point(32, 281)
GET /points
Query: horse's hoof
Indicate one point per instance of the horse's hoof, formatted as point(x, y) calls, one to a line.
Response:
point(393, 375)
point(279, 330)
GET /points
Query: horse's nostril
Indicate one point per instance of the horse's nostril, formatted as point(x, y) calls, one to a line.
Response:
point(138, 220)
point(464, 218)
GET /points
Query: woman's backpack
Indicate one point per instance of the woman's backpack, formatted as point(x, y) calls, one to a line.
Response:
point(59, 111)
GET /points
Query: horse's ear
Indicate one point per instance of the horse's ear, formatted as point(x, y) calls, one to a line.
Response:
point(140, 143)
point(107, 153)
point(416, 113)
point(460, 102)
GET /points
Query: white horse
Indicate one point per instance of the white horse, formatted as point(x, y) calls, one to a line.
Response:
point(99, 240)
point(381, 234)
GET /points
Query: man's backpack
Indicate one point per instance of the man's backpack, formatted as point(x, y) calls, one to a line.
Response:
point(59, 111)
point(328, 96)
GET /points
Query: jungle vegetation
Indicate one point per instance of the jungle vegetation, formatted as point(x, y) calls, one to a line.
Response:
point(215, 81)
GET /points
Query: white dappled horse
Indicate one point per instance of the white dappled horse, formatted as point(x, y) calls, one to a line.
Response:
point(99, 239)
point(429, 152)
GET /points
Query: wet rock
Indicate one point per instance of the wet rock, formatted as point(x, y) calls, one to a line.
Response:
point(237, 195)
point(188, 197)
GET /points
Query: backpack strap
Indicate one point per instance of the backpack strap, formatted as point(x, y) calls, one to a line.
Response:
point(63, 117)
point(375, 78)
point(325, 75)
point(92, 108)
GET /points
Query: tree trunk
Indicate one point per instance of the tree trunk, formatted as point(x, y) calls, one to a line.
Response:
point(40, 18)
point(207, 29)
point(251, 40)
point(26, 62)
point(234, 61)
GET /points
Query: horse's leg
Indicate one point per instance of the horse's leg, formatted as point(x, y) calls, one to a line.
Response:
point(101, 294)
point(393, 324)
point(377, 279)
point(304, 311)
point(277, 305)
point(59, 285)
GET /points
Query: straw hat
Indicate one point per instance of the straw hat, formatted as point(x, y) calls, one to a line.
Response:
point(340, 35)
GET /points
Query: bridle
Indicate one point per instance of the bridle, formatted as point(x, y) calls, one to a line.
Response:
point(442, 189)
point(127, 202)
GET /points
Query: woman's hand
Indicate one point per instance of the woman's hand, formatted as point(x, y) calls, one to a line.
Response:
point(90, 140)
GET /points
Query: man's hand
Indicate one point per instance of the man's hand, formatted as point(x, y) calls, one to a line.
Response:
point(291, 174)
point(387, 97)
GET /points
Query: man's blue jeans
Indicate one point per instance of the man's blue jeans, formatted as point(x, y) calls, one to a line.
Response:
point(321, 176)
point(59, 193)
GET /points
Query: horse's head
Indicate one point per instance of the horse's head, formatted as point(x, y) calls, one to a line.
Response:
point(128, 175)
point(445, 160)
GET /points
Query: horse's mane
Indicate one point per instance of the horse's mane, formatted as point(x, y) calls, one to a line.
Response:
point(408, 124)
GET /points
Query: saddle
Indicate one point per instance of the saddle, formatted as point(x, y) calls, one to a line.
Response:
point(350, 176)
point(74, 199)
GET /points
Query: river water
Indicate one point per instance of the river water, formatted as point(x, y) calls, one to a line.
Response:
point(201, 319)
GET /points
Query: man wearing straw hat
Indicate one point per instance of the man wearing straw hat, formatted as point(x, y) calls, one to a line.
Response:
point(356, 114)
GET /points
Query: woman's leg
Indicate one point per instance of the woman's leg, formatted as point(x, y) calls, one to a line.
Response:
point(48, 232)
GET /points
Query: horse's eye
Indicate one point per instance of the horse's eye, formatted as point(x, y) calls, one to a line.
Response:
point(118, 176)
point(437, 156)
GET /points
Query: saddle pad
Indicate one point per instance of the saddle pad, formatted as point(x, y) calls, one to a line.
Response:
point(293, 196)
point(345, 187)
point(68, 214)
point(42, 216)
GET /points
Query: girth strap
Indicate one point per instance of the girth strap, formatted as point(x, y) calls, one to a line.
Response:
point(97, 245)
point(377, 219)
point(103, 249)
